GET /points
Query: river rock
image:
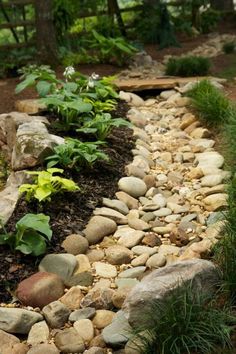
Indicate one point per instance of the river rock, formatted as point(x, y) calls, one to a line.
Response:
point(131, 98)
point(132, 272)
point(100, 298)
point(105, 270)
point(131, 202)
point(103, 318)
point(81, 314)
point(156, 261)
point(62, 264)
point(85, 329)
point(56, 314)
point(43, 348)
point(162, 212)
point(216, 202)
point(136, 223)
point(95, 255)
point(99, 227)
point(111, 214)
point(118, 255)
point(94, 350)
point(135, 171)
point(211, 180)
point(144, 249)
point(15, 320)
point(40, 289)
point(39, 333)
point(202, 274)
point(7, 342)
point(117, 205)
point(69, 341)
point(132, 186)
point(211, 159)
point(75, 244)
point(140, 260)
point(72, 298)
point(118, 332)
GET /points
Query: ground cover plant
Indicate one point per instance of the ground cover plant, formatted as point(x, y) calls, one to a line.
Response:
point(229, 47)
point(188, 66)
point(186, 322)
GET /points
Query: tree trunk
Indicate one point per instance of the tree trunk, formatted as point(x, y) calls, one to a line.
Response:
point(222, 5)
point(45, 32)
point(113, 9)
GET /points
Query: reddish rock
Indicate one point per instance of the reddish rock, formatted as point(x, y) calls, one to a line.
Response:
point(40, 289)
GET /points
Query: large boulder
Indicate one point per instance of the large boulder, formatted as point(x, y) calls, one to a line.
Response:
point(32, 144)
point(202, 274)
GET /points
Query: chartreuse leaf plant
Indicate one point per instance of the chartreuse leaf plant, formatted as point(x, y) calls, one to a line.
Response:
point(31, 235)
point(75, 154)
point(47, 184)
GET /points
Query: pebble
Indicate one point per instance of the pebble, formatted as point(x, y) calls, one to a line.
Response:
point(144, 249)
point(98, 227)
point(132, 272)
point(69, 341)
point(75, 244)
point(130, 237)
point(105, 270)
point(117, 205)
point(16, 320)
point(156, 261)
point(118, 255)
point(131, 202)
point(72, 298)
point(111, 214)
point(132, 186)
point(140, 260)
point(103, 318)
point(39, 333)
point(84, 329)
point(56, 314)
point(81, 314)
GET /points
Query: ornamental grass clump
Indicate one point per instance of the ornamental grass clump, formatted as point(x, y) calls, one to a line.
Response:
point(188, 66)
point(210, 103)
point(186, 322)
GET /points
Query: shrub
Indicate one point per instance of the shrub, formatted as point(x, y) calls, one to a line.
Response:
point(187, 322)
point(188, 66)
point(210, 103)
point(46, 184)
point(229, 47)
point(32, 233)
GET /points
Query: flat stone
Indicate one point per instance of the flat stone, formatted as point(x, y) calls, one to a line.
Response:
point(162, 230)
point(160, 200)
point(130, 237)
point(111, 214)
point(132, 272)
point(126, 282)
point(103, 318)
point(202, 274)
point(216, 202)
point(149, 216)
point(72, 298)
point(134, 171)
point(118, 332)
point(69, 341)
point(75, 244)
point(162, 212)
point(56, 314)
point(131, 202)
point(62, 264)
point(105, 270)
point(99, 227)
point(136, 223)
point(15, 320)
point(132, 186)
point(210, 159)
point(202, 143)
point(39, 333)
point(85, 329)
point(156, 261)
point(40, 289)
point(81, 314)
point(118, 255)
point(144, 249)
point(165, 250)
point(117, 205)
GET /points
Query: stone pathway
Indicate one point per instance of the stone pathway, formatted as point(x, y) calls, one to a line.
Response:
point(166, 210)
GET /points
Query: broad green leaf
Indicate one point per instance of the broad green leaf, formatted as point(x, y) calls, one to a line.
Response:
point(35, 242)
point(29, 81)
point(55, 170)
point(43, 88)
point(71, 86)
point(38, 222)
point(42, 193)
point(80, 106)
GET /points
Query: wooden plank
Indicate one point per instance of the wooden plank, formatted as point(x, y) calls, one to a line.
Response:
point(17, 24)
point(152, 84)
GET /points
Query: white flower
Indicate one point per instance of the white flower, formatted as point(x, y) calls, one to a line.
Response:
point(69, 71)
point(90, 83)
point(95, 76)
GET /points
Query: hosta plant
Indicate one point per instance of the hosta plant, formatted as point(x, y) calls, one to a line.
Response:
point(31, 235)
point(102, 125)
point(47, 184)
point(76, 154)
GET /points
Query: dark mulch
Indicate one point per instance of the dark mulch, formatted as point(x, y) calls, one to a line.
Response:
point(69, 212)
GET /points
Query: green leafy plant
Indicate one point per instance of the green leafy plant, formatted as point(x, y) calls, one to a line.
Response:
point(185, 322)
point(75, 154)
point(101, 125)
point(31, 235)
point(47, 184)
point(188, 66)
point(209, 20)
point(114, 50)
point(210, 103)
point(229, 47)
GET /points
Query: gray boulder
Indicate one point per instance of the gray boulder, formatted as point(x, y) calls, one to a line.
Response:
point(202, 274)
